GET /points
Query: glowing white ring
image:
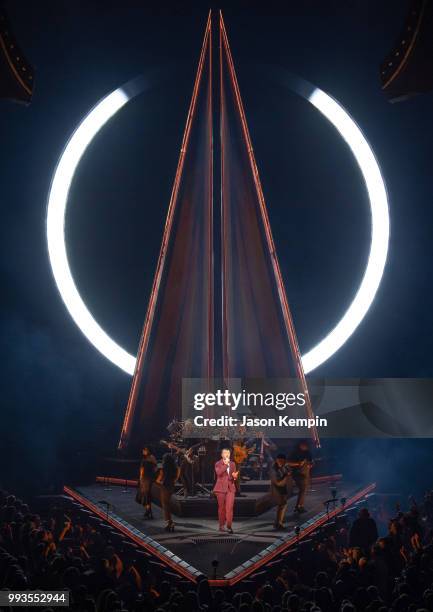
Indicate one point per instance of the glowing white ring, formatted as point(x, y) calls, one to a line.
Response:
point(58, 198)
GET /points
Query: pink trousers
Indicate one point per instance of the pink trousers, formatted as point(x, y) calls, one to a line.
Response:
point(225, 508)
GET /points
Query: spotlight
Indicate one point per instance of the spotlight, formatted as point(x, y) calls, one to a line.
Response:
point(107, 505)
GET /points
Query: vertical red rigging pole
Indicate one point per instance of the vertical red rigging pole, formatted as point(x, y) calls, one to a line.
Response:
point(291, 333)
point(224, 327)
point(210, 372)
point(144, 340)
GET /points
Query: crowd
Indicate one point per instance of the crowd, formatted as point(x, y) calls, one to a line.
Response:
point(345, 567)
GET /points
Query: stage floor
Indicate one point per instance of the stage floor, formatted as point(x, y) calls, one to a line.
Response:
point(197, 540)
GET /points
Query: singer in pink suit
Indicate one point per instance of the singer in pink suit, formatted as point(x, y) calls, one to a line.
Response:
point(225, 489)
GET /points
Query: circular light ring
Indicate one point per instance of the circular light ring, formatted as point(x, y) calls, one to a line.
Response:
point(107, 108)
point(379, 210)
point(57, 201)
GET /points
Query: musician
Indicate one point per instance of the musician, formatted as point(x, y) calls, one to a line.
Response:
point(167, 477)
point(188, 464)
point(301, 462)
point(188, 469)
point(242, 448)
point(224, 489)
point(281, 487)
point(146, 477)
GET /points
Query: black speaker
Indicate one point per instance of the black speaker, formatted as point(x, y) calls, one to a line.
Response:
point(16, 74)
point(408, 69)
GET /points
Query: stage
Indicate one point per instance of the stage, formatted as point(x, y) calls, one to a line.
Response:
point(197, 546)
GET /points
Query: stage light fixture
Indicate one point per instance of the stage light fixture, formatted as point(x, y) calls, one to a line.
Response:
point(100, 115)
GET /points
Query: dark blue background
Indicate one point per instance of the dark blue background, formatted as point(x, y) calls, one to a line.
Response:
point(62, 402)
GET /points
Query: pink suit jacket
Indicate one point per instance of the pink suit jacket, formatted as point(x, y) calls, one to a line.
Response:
point(224, 482)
